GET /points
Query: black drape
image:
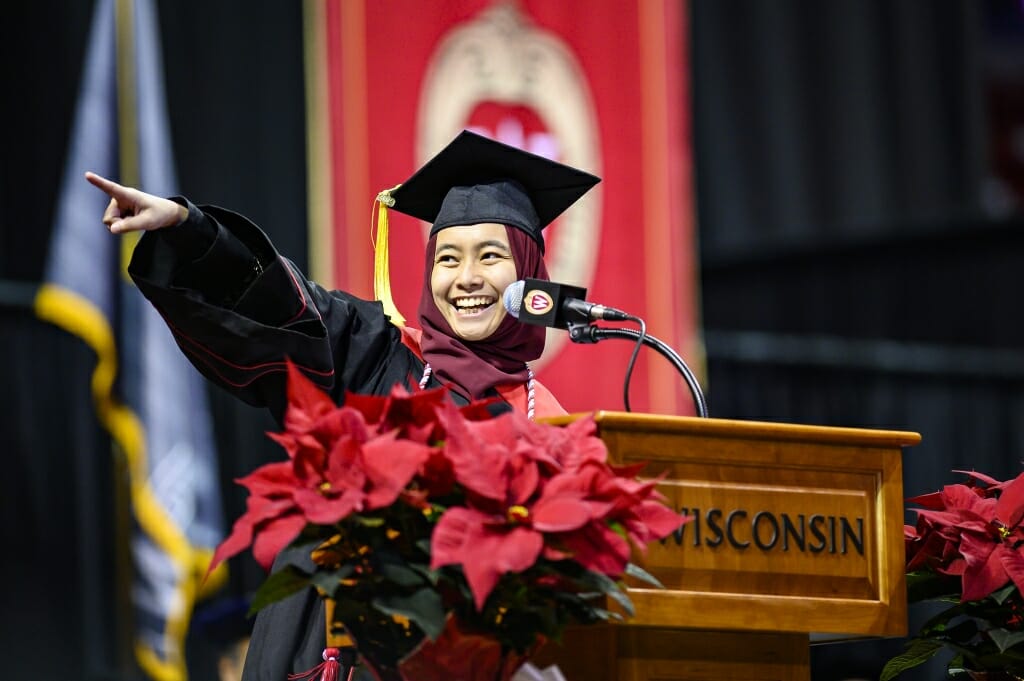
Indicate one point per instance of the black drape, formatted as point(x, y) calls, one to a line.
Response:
point(822, 122)
point(855, 270)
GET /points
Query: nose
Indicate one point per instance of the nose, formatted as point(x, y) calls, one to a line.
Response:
point(469, 277)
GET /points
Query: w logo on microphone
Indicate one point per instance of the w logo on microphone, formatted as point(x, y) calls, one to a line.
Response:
point(537, 302)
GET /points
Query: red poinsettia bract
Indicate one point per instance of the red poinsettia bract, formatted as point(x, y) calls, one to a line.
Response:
point(339, 463)
point(522, 490)
point(524, 500)
point(973, 531)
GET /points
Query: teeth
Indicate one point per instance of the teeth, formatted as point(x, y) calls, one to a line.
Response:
point(478, 301)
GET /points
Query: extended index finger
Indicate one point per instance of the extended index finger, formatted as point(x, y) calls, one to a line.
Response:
point(111, 188)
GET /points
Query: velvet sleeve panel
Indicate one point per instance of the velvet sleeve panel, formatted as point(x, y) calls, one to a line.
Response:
point(238, 309)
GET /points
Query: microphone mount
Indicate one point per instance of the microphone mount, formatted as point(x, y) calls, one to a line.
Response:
point(589, 333)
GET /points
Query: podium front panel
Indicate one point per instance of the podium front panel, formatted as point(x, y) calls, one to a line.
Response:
point(795, 528)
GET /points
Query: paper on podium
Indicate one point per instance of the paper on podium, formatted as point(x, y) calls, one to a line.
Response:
point(528, 672)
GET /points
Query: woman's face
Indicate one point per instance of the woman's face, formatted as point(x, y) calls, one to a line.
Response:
point(472, 267)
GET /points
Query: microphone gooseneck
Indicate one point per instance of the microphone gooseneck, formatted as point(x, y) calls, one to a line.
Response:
point(588, 333)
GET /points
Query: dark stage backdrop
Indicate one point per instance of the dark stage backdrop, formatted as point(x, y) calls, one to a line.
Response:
point(859, 252)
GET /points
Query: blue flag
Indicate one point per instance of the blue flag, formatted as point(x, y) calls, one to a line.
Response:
point(146, 394)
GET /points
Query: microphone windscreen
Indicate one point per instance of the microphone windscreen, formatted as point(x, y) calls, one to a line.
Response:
point(513, 297)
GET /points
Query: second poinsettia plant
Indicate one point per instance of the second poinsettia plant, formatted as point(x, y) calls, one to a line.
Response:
point(967, 550)
point(445, 536)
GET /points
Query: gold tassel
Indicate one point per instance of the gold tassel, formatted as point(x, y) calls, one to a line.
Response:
point(381, 258)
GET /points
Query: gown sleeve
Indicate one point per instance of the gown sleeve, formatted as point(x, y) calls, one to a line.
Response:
point(238, 309)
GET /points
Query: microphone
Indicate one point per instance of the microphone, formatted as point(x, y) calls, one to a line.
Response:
point(547, 303)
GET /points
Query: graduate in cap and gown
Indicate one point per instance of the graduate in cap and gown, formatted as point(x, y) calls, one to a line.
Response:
point(238, 309)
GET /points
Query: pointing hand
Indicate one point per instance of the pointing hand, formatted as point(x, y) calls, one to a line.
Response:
point(131, 210)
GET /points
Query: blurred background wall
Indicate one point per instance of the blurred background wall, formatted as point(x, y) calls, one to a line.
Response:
point(859, 174)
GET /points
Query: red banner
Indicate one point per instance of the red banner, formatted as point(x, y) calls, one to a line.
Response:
point(597, 85)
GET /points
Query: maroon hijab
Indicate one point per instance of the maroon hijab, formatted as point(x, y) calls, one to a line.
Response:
point(474, 367)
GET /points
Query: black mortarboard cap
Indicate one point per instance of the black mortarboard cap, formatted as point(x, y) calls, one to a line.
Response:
point(476, 179)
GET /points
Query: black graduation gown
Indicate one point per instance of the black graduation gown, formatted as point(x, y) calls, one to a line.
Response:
point(237, 309)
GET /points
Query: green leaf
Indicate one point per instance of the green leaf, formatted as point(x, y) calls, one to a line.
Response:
point(279, 585)
point(310, 537)
point(939, 621)
point(637, 572)
point(956, 666)
point(608, 615)
point(1001, 595)
point(595, 580)
point(400, 574)
point(918, 650)
point(367, 521)
point(589, 595)
point(328, 580)
point(432, 576)
point(929, 586)
point(619, 529)
point(606, 585)
point(434, 513)
point(620, 597)
point(422, 606)
point(1005, 639)
point(1013, 655)
point(963, 632)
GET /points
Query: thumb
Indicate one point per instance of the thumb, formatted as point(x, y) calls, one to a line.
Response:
point(131, 223)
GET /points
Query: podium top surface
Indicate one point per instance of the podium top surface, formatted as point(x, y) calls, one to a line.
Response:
point(768, 430)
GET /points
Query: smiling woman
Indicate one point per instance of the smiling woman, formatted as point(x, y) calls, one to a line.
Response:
point(473, 266)
point(239, 310)
point(488, 204)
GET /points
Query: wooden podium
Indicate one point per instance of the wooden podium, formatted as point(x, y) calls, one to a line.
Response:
point(798, 530)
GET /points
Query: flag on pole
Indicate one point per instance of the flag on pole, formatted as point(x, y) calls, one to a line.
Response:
point(146, 395)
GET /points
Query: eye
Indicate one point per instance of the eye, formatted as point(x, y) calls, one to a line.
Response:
point(446, 259)
point(492, 255)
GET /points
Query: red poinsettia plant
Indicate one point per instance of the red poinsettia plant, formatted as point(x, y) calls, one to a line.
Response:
point(967, 549)
point(437, 530)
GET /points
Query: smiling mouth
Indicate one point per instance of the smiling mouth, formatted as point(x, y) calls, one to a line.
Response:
point(473, 305)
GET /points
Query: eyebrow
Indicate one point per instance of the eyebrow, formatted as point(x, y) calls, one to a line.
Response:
point(490, 243)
